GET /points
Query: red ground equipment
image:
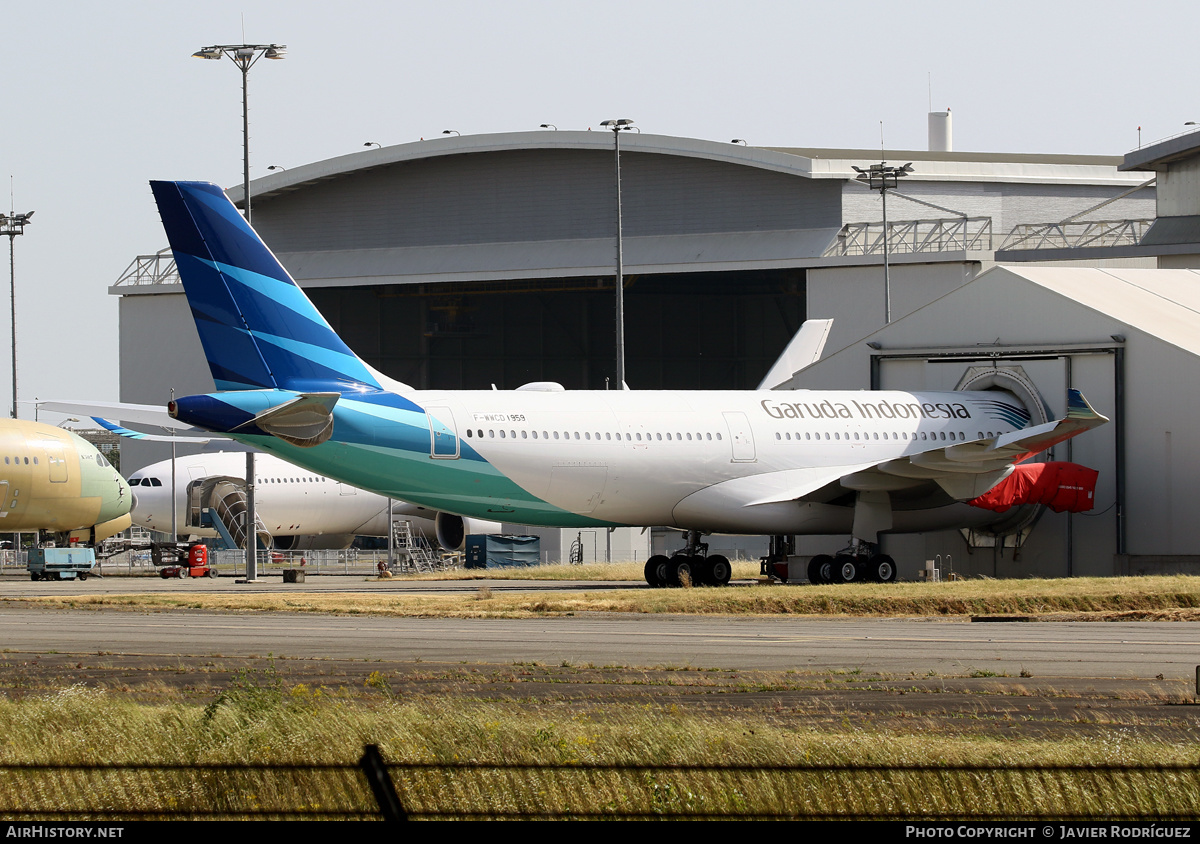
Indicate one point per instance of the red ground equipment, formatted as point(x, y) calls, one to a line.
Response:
point(197, 565)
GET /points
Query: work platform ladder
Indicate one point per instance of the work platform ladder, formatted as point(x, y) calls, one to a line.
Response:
point(412, 550)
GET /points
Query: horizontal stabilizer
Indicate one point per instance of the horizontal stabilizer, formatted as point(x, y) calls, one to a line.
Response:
point(141, 414)
point(153, 438)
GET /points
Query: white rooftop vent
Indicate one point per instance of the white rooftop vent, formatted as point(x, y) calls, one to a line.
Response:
point(941, 133)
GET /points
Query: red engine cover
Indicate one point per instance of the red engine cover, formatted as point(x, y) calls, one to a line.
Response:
point(1063, 487)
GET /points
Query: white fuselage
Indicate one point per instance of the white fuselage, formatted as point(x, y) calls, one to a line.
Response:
point(289, 500)
point(698, 459)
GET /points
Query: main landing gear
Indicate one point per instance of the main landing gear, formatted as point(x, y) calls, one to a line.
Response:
point(692, 565)
point(860, 562)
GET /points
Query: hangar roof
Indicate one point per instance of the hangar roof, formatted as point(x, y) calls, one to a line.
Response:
point(812, 163)
point(1161, 303)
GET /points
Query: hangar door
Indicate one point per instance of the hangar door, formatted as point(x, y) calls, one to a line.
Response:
point(1055, 544)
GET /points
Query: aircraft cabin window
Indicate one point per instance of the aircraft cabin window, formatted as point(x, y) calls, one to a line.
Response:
point(26, 461)
point(658, 437)
point(576, 435)
point(502, 433)
point(468, 432)
point(546, 436)
point(524, 435)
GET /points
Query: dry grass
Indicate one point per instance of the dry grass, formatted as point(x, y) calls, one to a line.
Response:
point(1129, 598)
point(260, 720)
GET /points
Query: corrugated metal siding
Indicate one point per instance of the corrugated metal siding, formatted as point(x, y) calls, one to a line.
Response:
point(1008, 205)
point(538, 195)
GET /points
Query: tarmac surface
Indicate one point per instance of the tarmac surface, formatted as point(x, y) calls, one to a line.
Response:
point(1126, 650)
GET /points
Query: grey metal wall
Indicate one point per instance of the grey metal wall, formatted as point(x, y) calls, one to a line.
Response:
point(539, 195)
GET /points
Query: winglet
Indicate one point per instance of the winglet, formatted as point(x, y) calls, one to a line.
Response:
point(1081, 416)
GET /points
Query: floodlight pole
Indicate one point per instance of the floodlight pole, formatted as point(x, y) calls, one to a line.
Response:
point(617, 127)
point(13, 224)
point(881, 177)
point(245, 56)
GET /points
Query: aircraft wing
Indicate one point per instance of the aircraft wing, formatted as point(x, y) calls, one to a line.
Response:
point(962, 471)
point(967, 470)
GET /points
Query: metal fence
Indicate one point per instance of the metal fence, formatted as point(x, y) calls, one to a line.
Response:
point(372, 789)
point(351, 561)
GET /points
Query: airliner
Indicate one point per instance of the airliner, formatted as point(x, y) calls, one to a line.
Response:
point(770, 463)
point(52, 479)
point(302, 510)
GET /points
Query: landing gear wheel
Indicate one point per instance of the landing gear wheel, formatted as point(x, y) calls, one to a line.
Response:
point(846, 569)
point(820, 569)
point(716, 570)
point(882, 569)
point(656, 570)
point(682, 566)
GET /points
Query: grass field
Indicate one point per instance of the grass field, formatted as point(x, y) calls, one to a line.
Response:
point(1129, 598)
point(258, 716)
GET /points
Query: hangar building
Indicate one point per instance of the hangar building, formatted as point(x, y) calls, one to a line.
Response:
point(480, 260)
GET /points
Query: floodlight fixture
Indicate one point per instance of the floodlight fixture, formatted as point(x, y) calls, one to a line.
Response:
point(883, 177)
point(245, 56)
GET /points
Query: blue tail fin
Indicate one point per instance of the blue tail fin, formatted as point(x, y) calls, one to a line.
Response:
point(257, 327)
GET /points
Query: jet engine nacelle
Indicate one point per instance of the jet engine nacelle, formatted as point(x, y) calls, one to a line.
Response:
point(452, 531)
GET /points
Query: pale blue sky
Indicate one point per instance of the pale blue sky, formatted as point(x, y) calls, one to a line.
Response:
point(101, 97)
